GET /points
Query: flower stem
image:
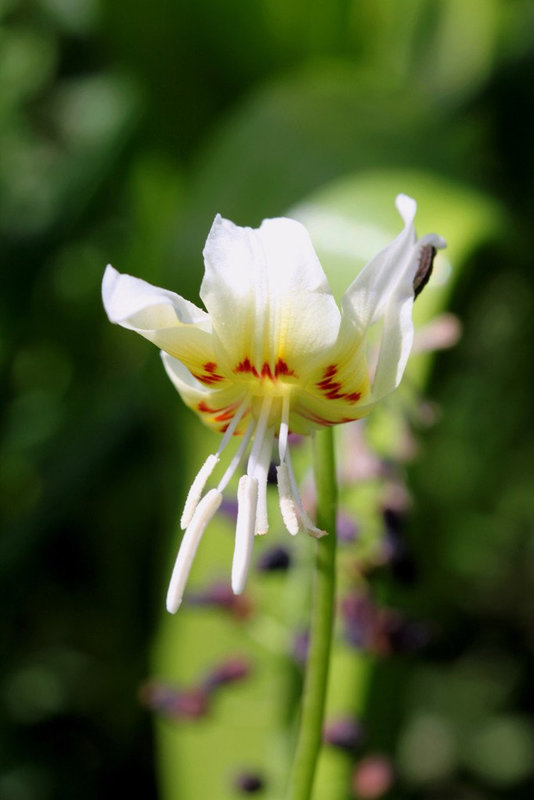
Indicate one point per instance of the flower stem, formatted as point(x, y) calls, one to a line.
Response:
point(322, 621)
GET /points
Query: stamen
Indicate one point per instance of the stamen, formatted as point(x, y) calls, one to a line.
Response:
point(234, 463)
point(259, 433)
point(197, 487)
point(236, 419)
point(260, 473)
point(312, 529)
point(203, 514)
point(287, 503)
point(247, 499)
point(284, 429)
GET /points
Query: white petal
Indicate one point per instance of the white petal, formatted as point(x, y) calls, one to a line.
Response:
point(188, 548)
point(266, 293)
point(215, 406)
point(367, 297)
point(398, 331)
point(247, 498)
point(174, 324)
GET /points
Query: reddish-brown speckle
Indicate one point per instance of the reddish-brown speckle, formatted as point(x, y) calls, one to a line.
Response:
point(245, 366)
point(228, 414)
point(332, 389)
point(281, 368)
point(204, 408)
point(266, 371)
point(209, 374)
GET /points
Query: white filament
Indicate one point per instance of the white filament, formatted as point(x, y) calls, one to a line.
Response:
point(188, 548)
point(247, 499)
point(284, 429)
point(229, 432)
point(234, 463)
point(259, 433)
point(261, 473)
point(197, 487)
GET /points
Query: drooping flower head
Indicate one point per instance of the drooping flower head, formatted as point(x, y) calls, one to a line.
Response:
point(273, 354)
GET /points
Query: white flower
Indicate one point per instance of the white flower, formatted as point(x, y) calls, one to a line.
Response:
point(272, 354)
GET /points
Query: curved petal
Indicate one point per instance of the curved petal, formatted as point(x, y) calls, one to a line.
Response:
point(369, 293)
point(267, 295)
point(385, 289)
point(215, 406)
point(172, 323)
point(398, 330)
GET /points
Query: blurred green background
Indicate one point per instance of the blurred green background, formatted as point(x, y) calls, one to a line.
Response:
point(124, 128)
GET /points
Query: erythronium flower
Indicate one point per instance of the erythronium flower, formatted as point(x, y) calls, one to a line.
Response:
point(273, 354)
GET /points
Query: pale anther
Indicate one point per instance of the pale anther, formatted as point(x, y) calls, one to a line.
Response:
point(188, 548)
point(247, 498)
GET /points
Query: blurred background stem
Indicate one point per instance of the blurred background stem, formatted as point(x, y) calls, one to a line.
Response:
point(321, 623)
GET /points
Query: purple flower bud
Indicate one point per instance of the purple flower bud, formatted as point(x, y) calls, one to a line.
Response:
point(231, 671)
point(220, 595)
point(228, 507)
point(360, 616)
point(249, 783)
point(347, 529)
point(301, 646)
point(372, 777)
point(344, 733)
point(275, 559)
point(172, 702)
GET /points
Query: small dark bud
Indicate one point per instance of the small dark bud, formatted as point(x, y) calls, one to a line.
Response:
point(344, 733)
point(424, 268)
point(231, 671)
point(403, 565)
point(249, 783)
point(405, 636)
point(272, 477)
point(275, 559)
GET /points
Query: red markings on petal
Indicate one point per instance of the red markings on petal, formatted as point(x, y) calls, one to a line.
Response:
point(228, 414)
point(266, 371)
point(280, 368)
point(208, 380)
point(332, 389)
point(204, 408)
point(245, 366)
point(209, 374)
point(221, 414)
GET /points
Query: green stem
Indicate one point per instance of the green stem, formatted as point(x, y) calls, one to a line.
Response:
point(322, 621)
